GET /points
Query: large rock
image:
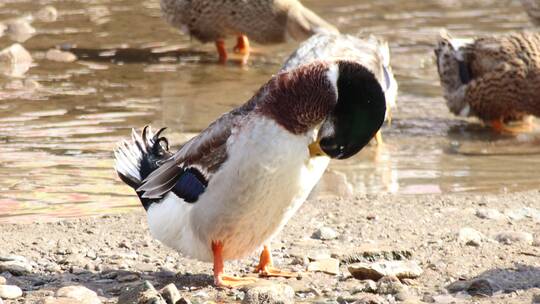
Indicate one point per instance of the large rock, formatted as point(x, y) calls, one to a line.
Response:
point(471, 237)
point(143, 293)
point(375, 271)
point(80, 294)
point(16, 265)
point(329, 265)
point(10, 292)
point(268, 293)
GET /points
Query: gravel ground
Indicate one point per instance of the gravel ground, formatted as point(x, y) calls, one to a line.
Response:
point(366, 249)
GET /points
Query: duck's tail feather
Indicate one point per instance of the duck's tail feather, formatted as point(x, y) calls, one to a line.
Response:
point(302, 23)
point(136, 159)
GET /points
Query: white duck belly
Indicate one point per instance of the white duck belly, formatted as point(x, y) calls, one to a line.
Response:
point(266, 178)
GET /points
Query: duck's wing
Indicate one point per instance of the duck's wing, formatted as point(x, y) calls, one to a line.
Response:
point(302, 22)
point(188, 171)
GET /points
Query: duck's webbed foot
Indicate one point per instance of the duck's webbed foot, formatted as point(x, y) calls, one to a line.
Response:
point(504, 128)
point(242, 47)
point(221, 279)
point(266, 268)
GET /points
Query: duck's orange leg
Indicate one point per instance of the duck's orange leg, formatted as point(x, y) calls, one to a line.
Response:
point(503, 128)
point(221, 279)
point(266, 269)
point(242, 47)
point(222, 52)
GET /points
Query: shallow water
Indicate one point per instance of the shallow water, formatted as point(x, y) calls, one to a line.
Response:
point(56, 141)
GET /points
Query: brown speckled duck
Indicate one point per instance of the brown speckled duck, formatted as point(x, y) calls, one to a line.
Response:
point(496, 79)
point(533, 9)
point(264, 21)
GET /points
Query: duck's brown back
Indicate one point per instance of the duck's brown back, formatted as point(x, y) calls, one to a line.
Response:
point(505, 74)
point(264, 21)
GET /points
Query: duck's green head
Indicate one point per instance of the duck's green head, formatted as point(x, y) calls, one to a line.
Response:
point(358, 114)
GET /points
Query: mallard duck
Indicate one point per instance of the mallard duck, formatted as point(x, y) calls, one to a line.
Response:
point(372, 53)
point(532, 7)
point(264, 21)
point(234, 186)
point(496, 79)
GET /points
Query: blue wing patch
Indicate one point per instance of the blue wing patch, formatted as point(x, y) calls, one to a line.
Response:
point(190, 185)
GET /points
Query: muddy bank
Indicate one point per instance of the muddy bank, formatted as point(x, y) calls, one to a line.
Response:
point(469, 248)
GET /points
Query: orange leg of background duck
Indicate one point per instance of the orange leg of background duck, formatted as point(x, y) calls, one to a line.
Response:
point(500, 126)
point(266, 269)
point(242, 47)
point(222, 52)
point(221, 279)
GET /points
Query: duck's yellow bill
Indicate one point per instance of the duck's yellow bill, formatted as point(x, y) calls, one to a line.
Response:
point(315, 149)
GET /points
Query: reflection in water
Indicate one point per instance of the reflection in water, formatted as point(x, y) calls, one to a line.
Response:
point(60, 121)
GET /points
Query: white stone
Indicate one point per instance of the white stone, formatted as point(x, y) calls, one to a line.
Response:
point(489, 214)
point(15, 60)
point(60, 56)
point(10, 292)
point(80, 294)
point(47, 14)
point(325, 233)
point(512, 237)
point(469, 236)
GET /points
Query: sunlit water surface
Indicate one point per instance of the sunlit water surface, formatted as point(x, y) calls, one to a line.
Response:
point(56, 141)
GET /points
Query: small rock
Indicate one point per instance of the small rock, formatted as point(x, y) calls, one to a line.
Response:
point(16, 267)
point(325, 233)
point(10, 292)
point(446, 299)
point(471, 237)
point(377, 270)
point(170, 294)
point(512, 237)
point(390, 285)
point(144, 293)
point(47, 14)
point(328, 265)
point(3, 280)
point(60, 56)
point(365, 286)
point(370, 299)
point(370, 253)
point(53, 300)
point(80, 294)
point(489, 214)
point(268, 293)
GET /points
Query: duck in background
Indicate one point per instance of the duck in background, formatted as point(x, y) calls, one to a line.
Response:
point(229, 190)
point(264, 21)
point(371, 53)
point(532, 7)
point(496, 79)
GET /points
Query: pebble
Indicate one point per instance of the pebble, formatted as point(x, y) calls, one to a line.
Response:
point(80, 294)
point(3, 280)
point(60, 56)
point(10, 292)
point(365, 286)
point(47, 14)
point(471, 237)
point(489, 214)
point(377, 270)
point(20, 29)
point(15, 60)
point(328, 265)
point(370, 299)
point(268, 293)
point(512, 237)
point(142, 293)
point(170, 293)
point(390, 285)
point(325, 233)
